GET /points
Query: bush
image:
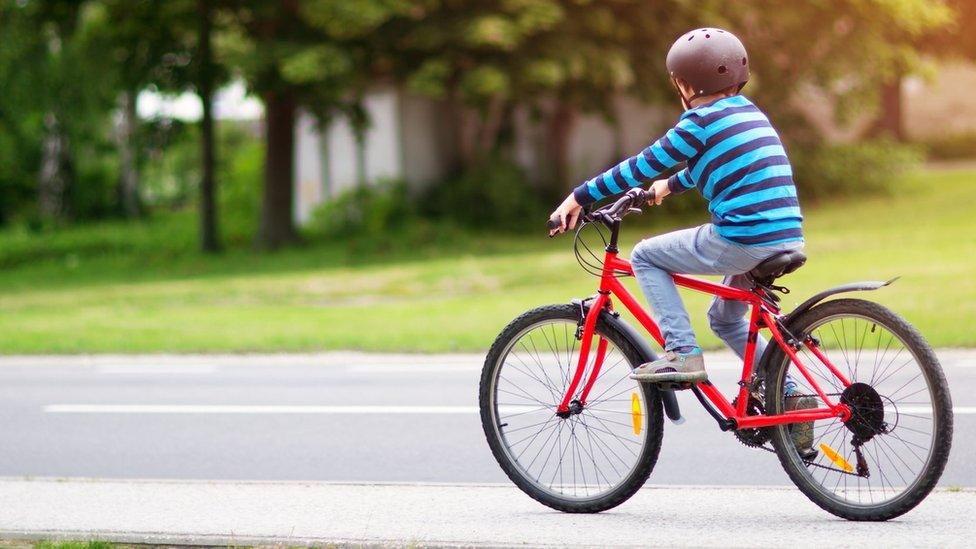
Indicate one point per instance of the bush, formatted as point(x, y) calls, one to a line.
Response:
point(239, 182)
point(367, 211)
point(493, 195)
point(849, 169)
point(960, 146)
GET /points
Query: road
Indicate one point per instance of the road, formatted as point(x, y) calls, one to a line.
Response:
point(329, 417)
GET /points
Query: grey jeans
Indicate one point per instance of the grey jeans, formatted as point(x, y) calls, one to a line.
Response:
point(702, 251)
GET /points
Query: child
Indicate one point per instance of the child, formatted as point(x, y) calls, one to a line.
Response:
point(736, 161)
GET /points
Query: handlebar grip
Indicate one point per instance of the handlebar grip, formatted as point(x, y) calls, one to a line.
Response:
point(553, 224)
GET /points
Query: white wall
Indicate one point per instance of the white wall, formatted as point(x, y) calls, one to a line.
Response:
point(427, 148)
point(309, 187)
point(383, 148)
point(410, 138)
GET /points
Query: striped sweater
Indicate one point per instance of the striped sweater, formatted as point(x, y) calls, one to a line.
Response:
point(736, 161)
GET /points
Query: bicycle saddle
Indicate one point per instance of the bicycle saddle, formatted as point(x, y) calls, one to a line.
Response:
point(778, 265)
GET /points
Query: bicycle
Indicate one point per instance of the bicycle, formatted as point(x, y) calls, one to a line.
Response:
point(586, 447)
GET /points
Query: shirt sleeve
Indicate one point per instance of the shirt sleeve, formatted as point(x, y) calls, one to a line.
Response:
point(680, 182)
point(679, 144)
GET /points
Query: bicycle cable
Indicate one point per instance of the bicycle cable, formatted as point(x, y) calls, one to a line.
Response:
point(592, 265)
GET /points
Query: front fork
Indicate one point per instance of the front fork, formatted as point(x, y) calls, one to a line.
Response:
point(569, 404)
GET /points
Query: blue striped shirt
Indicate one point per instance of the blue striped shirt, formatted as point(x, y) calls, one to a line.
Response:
point(733, 157)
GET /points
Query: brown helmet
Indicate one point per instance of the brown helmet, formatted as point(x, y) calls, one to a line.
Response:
point(710, 60)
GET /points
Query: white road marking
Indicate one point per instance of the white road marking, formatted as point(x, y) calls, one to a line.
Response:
point(413, 368)
point(156, 369)
point(956, 410)
point(313, 409)
point(266, 409)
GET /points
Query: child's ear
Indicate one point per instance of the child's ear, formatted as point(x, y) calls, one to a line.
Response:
point(685, 88)
point(684, 91)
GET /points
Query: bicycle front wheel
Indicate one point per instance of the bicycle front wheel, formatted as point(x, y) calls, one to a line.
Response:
point(600, 454)
point(889, 455)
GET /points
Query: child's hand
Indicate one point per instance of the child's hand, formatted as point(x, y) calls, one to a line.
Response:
point(567, 213)
point(660, 188)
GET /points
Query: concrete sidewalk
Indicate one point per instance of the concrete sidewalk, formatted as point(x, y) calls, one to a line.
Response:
point(246, 513)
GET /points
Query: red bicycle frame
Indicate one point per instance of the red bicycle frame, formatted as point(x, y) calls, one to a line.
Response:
point(763, 315)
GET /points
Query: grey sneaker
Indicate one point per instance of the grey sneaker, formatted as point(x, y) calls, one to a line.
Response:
point(674, 368)
point(802, 433)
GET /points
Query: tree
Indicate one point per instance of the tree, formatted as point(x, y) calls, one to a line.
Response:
point(209, 238)
point(53, 115)
point(166, 46)
point(555, 57)
point(563, 57)
point(848, 49)
point(315, 54)
point(145, 47)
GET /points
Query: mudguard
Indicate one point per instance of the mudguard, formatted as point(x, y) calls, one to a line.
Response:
point(864, 286)
point(867, 285)
point(640, 343)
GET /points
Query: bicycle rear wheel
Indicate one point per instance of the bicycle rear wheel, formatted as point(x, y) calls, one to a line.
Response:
point(598, 456)
point(889, 455)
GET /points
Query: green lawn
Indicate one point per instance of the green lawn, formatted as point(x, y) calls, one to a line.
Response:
point(141, 288)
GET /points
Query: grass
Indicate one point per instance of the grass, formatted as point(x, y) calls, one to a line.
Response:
point(116, 287)
point(74, 545)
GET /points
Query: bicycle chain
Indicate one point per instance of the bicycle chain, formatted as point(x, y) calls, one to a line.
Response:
point(805, 462)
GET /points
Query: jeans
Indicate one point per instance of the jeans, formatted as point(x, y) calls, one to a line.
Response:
point(702, 251)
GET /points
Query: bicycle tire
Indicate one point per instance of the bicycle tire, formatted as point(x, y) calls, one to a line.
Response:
point(777, 364)
point(652, 433)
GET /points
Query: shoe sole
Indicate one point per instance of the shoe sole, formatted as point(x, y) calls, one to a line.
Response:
point(671, 377)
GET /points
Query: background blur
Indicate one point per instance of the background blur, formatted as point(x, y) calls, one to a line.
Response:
point(289, 175)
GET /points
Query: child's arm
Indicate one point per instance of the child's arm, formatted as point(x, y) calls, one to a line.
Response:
point(677, 145)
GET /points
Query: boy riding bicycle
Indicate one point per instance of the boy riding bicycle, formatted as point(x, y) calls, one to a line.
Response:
point(736, 161)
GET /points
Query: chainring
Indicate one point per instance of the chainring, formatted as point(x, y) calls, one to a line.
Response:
point(757, 436)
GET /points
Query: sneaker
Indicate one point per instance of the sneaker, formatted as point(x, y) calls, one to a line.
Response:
point(801, 433)
point(673, 368)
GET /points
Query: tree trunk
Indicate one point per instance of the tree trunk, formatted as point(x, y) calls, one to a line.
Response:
point(209, 237)
point(276, 227)
point(128, 163)
point(491, 124)
point(464, 131)
point(562, 120)
point(890, 122)
point(55, 176)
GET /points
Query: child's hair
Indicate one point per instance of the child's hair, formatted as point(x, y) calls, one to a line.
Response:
point(730, 91)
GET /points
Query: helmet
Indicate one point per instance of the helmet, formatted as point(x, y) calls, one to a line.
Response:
point(710, 60)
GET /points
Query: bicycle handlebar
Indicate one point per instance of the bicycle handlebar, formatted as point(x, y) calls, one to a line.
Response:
point(614, 212)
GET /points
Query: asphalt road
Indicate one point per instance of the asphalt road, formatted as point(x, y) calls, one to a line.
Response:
point(331, 417)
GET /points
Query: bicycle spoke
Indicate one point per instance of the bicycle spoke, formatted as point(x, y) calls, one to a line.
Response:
point(584, 454)
point(876, 358)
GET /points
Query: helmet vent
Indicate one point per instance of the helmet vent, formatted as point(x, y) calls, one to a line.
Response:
point(744, 61)
point(708, 36)
point(692, 37)
point(722, 69)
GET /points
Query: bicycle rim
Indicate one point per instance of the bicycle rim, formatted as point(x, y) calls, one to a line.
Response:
point(893, 405)
point(581, 457)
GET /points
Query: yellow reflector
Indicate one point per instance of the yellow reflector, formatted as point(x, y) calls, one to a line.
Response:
point(836, 458)
point(635, 412)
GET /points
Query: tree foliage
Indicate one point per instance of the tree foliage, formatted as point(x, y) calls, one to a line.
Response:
point(69, 62)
